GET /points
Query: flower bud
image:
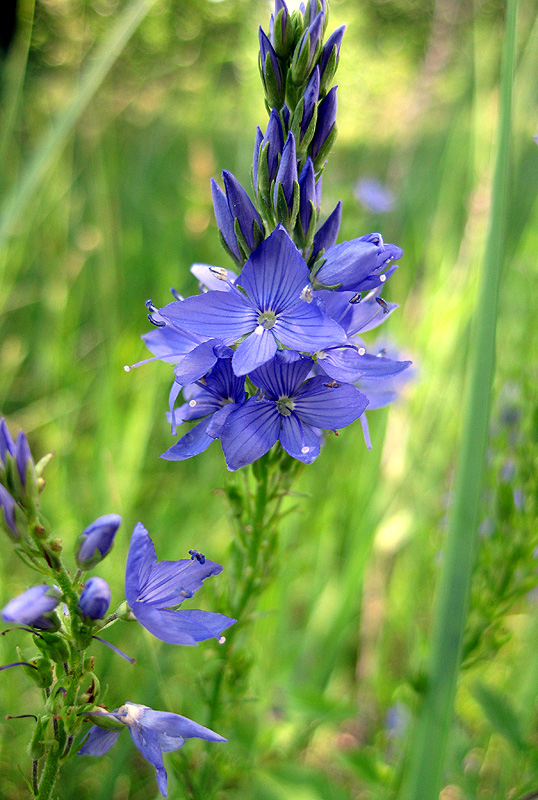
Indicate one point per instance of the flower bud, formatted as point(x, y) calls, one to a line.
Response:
point(286, 190)
point(308, 197)
point(328, 62)
point(325, 129)
point(53, 646)
point(7, 445)
point(95, 598)
point(327, 234)
point(95, 542)
point(307, 50)
point(7, 514)
point(358, 265)
point(270, 72)
point(239, 223)
point(33, 607)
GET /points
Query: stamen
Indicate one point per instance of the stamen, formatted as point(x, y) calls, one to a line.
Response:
point(356, 298)
point(332, 385)
point(382, 278)
point(305, 450)
point(362, 351)
point(308, 293)
point(192, 403)
point(194, 554)
point(21, 716)
point(157, 323)
point(175, 294)
point(220, 273)
point(186, 593)
point(116, 649)
point(221, 639)
point(18, 664)
point(382, 303)
point(150, 307)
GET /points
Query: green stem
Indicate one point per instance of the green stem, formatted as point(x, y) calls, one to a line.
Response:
point(50, 773)
point(427, 756)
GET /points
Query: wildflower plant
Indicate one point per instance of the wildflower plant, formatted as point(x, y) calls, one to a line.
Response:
point(64, 614)
point(268, 358)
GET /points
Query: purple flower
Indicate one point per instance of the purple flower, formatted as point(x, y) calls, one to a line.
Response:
point(324, 125)
point(274, 140)
point(154, 590)
point(308, 196)
point(236, 208)
point(286, 178)
point(289, 410)
point(209, 401)
point(95, 542)
point(268, 311)
point(32, 607)
point(95, 598)
point(333, 43)
point(153, 733)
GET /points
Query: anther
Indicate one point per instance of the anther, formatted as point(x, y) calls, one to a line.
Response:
point(186, 593)
point(362, 351)
point(150, 307)
point(219, 272)
point(356, 298)
point(305, 450)
point(382, 303)
point(382, 278)
point(332, 385)
point(192, 403)
point(194, 554)
point(157, 323)
point(308, 293)
point(222, 639)
point(175, 294)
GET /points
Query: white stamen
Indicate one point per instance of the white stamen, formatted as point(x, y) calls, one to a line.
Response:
point(305, 450)
point(127, 368)
point(222, 639)
point(362, 351)
point(219, 272)
point(192, 403)
point(382, 278)
point(259, 330)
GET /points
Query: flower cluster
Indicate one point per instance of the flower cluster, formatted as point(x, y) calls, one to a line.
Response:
point(274, 352)
point(65, 615)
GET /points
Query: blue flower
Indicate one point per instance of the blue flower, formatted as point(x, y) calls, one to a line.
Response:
point(210, 401)
point(95, 542)
point(267, 312)
point(95, 598)
point(7, 445)
point(289, 410)
point(154, 590)
point(153, 733)
point(233, 209)
point(359, 265)
point(33, 607)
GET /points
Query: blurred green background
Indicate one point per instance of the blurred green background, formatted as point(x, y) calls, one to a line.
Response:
point(106, 202)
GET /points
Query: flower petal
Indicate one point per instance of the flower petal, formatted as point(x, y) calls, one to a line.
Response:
point(170, 582)
point(250, 431)
point(148, 744)
point(140, 560)
point(275, 274)
point(282, 376)
point(191, 444)
point(197, 363)
point(176, 726)
point(306, 328)
point(216, 315)
point(299, 440)
point(180, 627)
point(329, 408)
point(257, 349)
point(208, 278)
point(98, 742)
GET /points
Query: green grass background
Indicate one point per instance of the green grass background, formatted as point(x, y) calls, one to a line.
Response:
point(104, 178)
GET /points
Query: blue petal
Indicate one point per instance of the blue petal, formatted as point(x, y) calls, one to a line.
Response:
point(367, 315)
point(98, 742)
point(218, 420)
point(208, 278)
point(341, 363)
point(196, 363)
point(180, 627)
point(241, 207)
point(378, 398)
point(216, 315)
point(366, 431)
point(329, 408)
point(327, 234)
point(282, 376)
point(255, 350)
point(176, 726)
point(250, 431)
point(147, 742)
point(140, 560)
point(171, 582)
point(377, 367)
point(299, 440)
point(304, 327)
point(168, 344)
point(348, 264)
point(275, 274)
point(191, 444)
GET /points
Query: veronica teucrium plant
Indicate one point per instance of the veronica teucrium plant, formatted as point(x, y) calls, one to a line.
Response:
point(268, 358)
point(64, 612)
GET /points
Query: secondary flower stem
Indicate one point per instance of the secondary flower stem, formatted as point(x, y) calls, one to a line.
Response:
point(50, 773)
